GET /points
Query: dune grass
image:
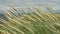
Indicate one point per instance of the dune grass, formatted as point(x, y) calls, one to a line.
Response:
point(35, 23)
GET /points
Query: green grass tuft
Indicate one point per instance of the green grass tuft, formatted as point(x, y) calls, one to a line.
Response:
point(34, 23)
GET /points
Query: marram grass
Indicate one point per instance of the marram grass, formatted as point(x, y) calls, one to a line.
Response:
point(35, 23)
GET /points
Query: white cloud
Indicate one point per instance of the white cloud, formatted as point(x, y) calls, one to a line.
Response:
point(24, 3)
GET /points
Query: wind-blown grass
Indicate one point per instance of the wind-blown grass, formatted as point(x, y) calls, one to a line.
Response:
point(35, 23)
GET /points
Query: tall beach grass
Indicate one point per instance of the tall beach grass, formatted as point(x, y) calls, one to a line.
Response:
point(37, 22)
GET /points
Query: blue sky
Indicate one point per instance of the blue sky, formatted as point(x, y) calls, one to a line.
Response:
point(4, 4)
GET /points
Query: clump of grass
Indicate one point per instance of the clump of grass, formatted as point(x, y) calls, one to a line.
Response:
point(34, 23)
